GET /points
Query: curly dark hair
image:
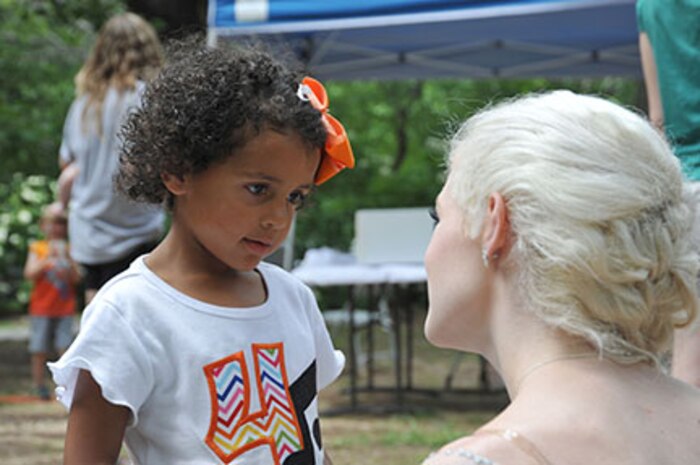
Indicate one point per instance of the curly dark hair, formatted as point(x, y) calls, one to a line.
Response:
point(206, 104)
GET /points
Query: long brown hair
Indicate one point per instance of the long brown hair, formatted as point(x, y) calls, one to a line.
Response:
point(127, 50)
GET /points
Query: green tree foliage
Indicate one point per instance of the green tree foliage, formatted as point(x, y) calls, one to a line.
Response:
point(43, 46)
point(22, 200)
point(399, 133)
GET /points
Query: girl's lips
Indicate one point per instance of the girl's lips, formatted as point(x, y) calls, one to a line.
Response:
point(258, 247)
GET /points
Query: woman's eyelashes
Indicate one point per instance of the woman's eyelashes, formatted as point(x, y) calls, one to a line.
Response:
point(433, 214)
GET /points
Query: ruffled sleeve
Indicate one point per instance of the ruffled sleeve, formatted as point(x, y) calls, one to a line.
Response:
point(109, 349)
point(330, 361)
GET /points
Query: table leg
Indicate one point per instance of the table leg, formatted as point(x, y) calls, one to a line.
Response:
point(396, 325)
point(409, 339)
point(352, 349)
point(372, 308)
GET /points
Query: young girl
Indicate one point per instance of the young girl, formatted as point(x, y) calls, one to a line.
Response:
point(107, 231)
point(200, 353)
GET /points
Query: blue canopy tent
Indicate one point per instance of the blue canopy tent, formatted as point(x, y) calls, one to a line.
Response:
point(399, 39)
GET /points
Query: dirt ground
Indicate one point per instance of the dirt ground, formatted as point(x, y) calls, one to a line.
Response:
point(385, 429)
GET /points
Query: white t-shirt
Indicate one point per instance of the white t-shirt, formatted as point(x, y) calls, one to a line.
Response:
point(102, 225)
point(193, 374)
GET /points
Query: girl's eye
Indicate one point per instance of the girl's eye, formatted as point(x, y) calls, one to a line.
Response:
point(297, 199)
point(257, 189)
point(433, 214)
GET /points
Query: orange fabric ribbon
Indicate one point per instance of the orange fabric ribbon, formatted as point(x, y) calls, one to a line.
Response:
point(338, 152)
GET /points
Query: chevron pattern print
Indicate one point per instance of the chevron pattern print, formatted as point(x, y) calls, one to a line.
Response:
point(233, 429)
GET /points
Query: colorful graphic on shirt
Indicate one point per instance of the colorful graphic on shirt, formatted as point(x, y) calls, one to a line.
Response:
point(233, 430)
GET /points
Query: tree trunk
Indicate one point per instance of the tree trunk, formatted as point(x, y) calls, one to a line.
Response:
point(402, 119)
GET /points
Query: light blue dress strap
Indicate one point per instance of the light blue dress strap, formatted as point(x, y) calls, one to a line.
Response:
point(517, 440)
point(461, 452)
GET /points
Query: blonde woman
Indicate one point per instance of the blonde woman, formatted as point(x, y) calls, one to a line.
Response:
point(107, 231)
point(562, 254)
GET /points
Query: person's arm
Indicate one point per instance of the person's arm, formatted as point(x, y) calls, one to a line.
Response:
point(34, 266)
point(651, 82)
point(95, 426)
point(71, 273)
point(75, 274)
point(65, 182)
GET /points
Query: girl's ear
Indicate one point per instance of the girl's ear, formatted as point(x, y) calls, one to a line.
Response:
point(177, 185)
point(496, 232)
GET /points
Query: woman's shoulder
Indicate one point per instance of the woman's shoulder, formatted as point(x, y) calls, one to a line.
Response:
point(488, 447)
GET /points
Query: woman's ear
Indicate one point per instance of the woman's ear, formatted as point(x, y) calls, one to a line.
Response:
point(177, 185)
point(496, 232)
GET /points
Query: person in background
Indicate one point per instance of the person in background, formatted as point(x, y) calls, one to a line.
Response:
point(669, 43)
point(563, 255)
point(200, 352)
point(52, 300)
point(107, 231)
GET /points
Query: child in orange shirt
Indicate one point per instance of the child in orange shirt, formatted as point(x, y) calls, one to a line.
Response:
point(52, 301)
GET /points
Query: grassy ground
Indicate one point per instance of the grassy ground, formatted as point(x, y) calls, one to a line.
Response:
point(385, 430)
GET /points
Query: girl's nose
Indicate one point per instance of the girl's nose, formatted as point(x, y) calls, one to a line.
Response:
point(279, 215)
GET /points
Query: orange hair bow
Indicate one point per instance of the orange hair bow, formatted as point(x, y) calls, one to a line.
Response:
point(338, 152)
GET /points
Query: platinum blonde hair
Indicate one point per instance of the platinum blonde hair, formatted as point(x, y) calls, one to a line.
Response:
point(599, 212)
